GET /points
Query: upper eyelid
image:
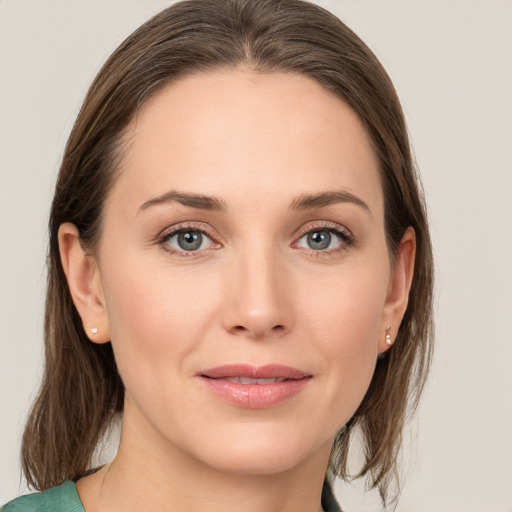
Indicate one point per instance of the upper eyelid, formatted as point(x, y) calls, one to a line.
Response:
point(184, 226)
point(327, 225)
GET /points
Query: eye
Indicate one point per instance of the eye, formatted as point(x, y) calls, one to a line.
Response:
point(326, 239)
point(319, 240)
point(186, 240)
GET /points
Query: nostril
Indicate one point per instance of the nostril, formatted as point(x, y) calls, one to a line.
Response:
point(240, 329)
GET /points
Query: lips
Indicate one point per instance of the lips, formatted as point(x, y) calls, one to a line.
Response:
point(255, 387)
point(269, 371)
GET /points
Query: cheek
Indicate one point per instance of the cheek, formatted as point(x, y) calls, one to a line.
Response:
point(155, 317)
point(347, 305)
point(345, 320)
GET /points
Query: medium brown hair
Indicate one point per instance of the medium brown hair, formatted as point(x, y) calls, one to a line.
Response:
point(81, 391)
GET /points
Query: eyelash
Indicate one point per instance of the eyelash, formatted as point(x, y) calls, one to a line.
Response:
point(346, 237)
point(183, 228)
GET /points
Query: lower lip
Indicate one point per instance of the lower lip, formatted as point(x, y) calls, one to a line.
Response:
point(256, 396)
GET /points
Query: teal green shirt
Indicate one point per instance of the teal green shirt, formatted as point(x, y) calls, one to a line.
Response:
point(64, 498)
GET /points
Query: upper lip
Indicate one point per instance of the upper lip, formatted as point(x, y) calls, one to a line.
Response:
point(268, 371)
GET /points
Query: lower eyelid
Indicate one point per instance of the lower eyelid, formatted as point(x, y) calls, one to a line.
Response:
point(343, 241)
point(209, 241)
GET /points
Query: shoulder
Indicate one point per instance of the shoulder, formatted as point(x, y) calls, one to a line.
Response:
point(62, 498)
point(27, 503)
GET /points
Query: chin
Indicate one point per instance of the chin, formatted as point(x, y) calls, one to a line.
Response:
point(262, 454)
point(257, 463)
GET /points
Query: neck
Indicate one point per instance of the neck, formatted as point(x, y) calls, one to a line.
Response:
point(149, 474)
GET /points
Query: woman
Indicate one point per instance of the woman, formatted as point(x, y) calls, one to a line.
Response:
point(240, 266)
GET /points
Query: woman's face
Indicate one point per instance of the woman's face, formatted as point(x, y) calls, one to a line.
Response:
point(243, 270)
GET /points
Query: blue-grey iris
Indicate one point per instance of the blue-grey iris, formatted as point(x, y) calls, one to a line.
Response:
point(190, 240)
point(319, 240)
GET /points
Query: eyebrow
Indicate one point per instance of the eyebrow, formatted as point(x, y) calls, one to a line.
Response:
point(313, 201)
point(302, 202)
point(199, 201)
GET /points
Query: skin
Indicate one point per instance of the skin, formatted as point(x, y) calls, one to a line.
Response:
point(256, 292)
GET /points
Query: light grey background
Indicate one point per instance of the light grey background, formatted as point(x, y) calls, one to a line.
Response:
point(451, 61)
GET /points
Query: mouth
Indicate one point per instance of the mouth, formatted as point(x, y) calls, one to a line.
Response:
point(248, 380)
point(255, 387)
point(275, 372)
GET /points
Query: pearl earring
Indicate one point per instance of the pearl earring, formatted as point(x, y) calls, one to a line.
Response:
point(94, 330)
point(388, 336)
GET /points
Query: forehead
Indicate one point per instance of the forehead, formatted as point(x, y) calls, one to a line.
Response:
point(238, 134)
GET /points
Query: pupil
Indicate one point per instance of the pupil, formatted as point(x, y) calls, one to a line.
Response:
point(319, 240)
point(190, 240)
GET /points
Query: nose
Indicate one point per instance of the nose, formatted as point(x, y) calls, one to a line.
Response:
point(258, 297)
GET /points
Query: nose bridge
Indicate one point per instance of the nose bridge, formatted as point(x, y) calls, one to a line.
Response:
point(257, 304)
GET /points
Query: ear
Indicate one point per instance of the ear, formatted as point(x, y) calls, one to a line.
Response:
point(398, 289)
point(84, 282)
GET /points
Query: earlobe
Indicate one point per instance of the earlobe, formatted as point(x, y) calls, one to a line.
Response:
point(84, 282)
point(398, 290)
